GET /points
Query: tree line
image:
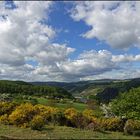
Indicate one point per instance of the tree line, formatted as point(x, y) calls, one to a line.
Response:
point(11, 87)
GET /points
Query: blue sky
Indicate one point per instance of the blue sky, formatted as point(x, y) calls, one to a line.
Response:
point(69, 41)
point(71, 31)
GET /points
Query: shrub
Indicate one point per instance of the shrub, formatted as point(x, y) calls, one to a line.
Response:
point(88, 113)
point(131, 126)
point(37, 123)
point(47, 112)
point(80, 121)
point(60, 119)
point(76, 119)
point(70, 113)
point(4, 119)
point(111, 124)
point(6, 107)
point(22, 115)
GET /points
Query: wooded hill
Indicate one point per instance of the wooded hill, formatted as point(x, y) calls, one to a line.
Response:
point(24, 88)
point(104, 90)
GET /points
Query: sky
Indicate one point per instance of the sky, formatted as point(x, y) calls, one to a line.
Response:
point(69, 40)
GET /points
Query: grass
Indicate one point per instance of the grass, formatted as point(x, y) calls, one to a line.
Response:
point(58, 132)
point(78, 106)
point(42, 101)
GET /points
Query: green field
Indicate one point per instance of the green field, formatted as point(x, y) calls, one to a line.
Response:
point(57, 132)
point(78, 106)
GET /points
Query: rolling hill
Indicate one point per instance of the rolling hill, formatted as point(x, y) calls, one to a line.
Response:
point(104, 90)
point(24, 88)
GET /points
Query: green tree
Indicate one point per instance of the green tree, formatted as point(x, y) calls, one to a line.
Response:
point(127, 104)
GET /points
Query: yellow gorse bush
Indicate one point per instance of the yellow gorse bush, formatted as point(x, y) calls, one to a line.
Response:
point(70, 113)
point(22, 114)
point(113, 124)
point(6, 107)
point(4, 119)
point(37, 122)
point(36, 116)
point(88, 113)
point(46, 111)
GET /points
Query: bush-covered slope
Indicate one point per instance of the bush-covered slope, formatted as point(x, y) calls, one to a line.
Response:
point(20, 87)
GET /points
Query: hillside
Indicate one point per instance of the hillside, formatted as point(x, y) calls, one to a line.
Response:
point(23, 88)
point(75, 87)
point(104, 90)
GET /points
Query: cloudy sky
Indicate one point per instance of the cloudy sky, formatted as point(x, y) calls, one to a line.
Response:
point(69, 41)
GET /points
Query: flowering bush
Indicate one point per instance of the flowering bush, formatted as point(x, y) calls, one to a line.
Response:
point(22, 115)
point(47, 112)
point(88, 113)
point(112, 124)
point(37, 122)
point(70, 113)
point(4, 119)
point(6, 107)
point(36, 116)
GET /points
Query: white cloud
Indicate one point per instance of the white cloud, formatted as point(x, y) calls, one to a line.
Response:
point(54, 53)
point(116, 22)
point(23, 38)
point(21, 33)
point(115, 74)
point(125, 58)
point(88, 63)
point(98, 65)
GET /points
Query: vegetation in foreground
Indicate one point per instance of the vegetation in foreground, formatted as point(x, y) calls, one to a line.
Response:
point(58, 132)
point(36, 117)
